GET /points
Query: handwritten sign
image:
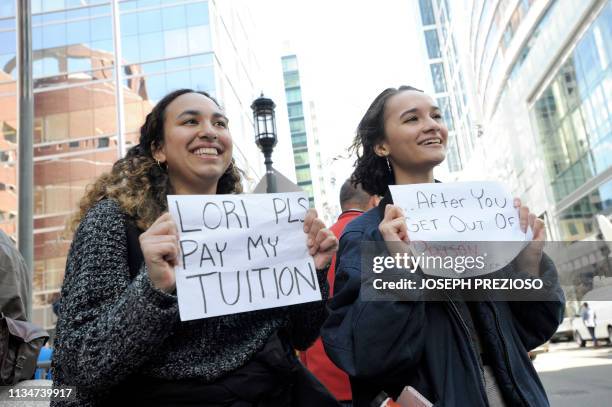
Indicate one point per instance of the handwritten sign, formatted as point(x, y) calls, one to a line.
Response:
point(459, 211)
point(482, 213)
point(242, 253)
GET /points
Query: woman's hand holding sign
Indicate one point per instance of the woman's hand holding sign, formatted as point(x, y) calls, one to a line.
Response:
point(393, 229)
point(160, 249)
point(529, 259)
point(321, 242)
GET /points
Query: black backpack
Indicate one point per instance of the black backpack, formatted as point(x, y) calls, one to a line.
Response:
point(20, 344)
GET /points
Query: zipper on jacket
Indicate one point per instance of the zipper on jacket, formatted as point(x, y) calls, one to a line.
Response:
point(506, 356)
point(473, 347)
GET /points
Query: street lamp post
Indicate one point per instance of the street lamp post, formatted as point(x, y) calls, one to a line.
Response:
point(265, 135)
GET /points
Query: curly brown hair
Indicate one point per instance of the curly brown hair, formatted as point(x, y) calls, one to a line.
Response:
point(372, 171)
point(138, 183)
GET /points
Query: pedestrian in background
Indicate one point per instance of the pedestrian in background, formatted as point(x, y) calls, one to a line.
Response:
point(354, 201)
point(454, 353)
point(119, 337)
point(589, 319)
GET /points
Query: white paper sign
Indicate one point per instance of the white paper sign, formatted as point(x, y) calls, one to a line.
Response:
point(459, 211)
point(477, 212)
point(242, 253)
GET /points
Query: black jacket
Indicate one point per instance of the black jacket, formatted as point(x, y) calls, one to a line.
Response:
point(387, 345)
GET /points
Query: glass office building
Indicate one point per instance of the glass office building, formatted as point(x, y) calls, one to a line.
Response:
point(574, 119)
point(98, 68)
point(544, 85)
point(448, 80)
point(297, 124)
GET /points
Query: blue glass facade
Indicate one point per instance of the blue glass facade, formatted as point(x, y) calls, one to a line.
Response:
point(295, 110)
point(574, 120)
point(80, 108)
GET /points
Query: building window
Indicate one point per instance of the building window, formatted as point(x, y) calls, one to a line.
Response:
point(444, 105)
point(103, 142)
point(294, 95)
point(297, 126)
point(303, 174)
point(292, 79)
point(433, 45)
point(427, 12)
point(289, 63)
point(437, 75)
point(295, 110)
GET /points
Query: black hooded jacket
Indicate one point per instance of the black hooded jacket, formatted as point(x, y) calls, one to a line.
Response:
point(386, 345)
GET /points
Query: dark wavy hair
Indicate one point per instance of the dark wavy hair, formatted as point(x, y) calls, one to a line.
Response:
point(138, 183)
point(372, 171)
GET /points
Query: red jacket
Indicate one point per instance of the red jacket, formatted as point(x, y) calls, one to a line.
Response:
point(315, 358)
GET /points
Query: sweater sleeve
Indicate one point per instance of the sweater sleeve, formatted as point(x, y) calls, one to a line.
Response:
point(108, 325)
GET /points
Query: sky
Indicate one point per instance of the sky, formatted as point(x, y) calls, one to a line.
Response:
point(348, 52)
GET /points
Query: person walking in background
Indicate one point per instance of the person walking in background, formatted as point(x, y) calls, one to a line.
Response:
point(353, 201)
point(589, 318)
point(119, 337)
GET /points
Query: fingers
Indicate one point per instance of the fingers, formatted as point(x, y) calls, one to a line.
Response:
point(528, 219)
point(524, 218)
point(324, 241)
point(161, 248)
point(164, 225)
point(311, 215)
point(539, 229)
point(393, 226)
point(329, 244)
point(392, 212)
point(316, 234)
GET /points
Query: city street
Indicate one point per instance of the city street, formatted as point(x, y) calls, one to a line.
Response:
point(576, 376)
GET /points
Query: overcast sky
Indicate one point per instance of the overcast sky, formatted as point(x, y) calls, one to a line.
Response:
point(348, 52)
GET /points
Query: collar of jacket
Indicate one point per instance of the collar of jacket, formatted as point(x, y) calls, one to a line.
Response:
point(349, 212)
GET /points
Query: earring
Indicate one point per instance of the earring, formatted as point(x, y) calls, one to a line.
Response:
point(159, 164)
point(388, 164)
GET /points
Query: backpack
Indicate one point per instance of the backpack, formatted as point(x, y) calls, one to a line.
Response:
point(20, 344)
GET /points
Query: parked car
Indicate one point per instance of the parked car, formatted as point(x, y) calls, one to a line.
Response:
point(565, 332)
point(603, 317)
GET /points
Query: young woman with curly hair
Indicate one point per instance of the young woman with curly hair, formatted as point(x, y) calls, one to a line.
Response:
point(455, 353)
point(119, 336)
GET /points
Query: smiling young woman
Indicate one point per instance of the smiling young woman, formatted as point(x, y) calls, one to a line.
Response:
point(455, 353)
point(119, 337)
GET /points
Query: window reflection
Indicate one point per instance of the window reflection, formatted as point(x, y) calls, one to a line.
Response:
point(165, 45)
point(574, 120)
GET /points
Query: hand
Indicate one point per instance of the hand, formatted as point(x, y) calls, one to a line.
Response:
point(393, 228)
point(529, 259)
point(160, 248)
point(320, 241)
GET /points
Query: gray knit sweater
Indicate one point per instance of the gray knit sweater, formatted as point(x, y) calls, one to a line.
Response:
point(111, 327)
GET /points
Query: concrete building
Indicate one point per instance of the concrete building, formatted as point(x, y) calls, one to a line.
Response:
point(98, 68)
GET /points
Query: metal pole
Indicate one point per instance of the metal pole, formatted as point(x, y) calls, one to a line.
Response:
point(25, 159)
point(118, 79)
point(270, 178)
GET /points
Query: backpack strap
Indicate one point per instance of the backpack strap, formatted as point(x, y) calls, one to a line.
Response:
point(135, 257)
